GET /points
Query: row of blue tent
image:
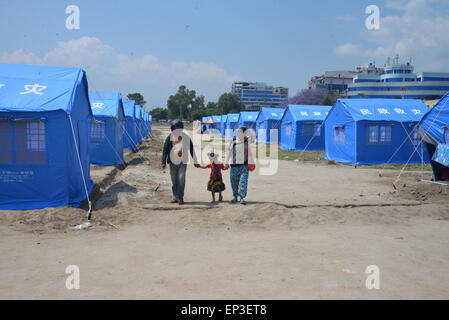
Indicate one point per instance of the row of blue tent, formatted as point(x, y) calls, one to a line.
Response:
point(353, 131)
point(117, 125)
point(52, 129)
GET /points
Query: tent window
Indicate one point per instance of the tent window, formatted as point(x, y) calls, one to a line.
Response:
point(6, 150)
point(446, 135)
point(311, 129)
point(379, 134)
point(27, 145)
point(288, 129)
point(97, 131)
point(414, 135)
point(339, 135)
point(276, 124)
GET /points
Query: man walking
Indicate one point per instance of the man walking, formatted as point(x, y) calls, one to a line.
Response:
point(176, 155)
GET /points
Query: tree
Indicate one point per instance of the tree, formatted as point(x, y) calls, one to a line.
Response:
point(197, 103)
point(211, 105)
point(159, 113)
point(330, 99)
point(179, 105)
point(137, 97)
point(198, 114)
point(314, 96)
point(229, 103)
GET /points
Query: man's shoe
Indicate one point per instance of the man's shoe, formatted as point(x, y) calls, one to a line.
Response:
point(181, 201)
point(174, 201)
point(242, 201)
point(234, 200)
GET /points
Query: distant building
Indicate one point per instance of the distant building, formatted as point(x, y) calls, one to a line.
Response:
point(397, 80)
point(335, 81)
point(255, 95)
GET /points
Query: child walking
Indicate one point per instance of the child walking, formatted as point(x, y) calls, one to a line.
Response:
point(215, 183)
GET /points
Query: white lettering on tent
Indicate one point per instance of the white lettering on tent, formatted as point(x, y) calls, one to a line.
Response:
point(304, 113)
point(274, 114)
point(383, 111)
point(97, 105)
point(73, 20)
point(365, 112)
point(317, 113)
point(250, 117)
point(34, 88)
point(399, 111)
point(416, 111)
point(16, 176)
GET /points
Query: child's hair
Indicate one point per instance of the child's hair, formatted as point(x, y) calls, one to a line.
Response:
point(213, 156)
point(243, 129)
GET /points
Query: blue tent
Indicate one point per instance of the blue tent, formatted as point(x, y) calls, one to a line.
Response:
point(145, 122)
point(434, 129)
point(130, 133)
point(268, 119)
point(150, 122)
point(232, 124)
point(302, 127)
point(140, 125)
point(374, 131)
point(207, 125)
point(45, 115)
point(106, 136)
point(217, 123)
point(248, 119)
point(224, 118)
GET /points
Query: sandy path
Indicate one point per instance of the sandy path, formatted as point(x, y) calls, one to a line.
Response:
point(308, 232)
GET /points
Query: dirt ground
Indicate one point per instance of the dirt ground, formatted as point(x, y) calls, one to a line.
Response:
point(308, 232)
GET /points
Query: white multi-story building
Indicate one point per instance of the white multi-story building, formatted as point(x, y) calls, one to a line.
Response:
point(397, 80)
point(255, 95)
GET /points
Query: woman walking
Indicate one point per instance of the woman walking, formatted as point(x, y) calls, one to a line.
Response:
point(241, 161)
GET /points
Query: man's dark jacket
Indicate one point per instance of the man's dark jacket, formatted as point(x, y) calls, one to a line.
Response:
point(168, 145)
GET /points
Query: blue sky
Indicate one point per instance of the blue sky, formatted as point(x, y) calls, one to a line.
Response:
point(155, 46)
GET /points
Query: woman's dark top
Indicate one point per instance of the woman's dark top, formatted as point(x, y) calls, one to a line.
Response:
point(239, 152)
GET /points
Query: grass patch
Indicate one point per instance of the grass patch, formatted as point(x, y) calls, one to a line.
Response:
point(410, 167)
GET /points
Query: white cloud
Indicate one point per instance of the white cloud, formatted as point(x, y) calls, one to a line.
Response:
point(108, 69)
point(421, 31)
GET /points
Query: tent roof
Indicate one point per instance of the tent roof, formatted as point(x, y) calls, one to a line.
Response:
point(38, 88)
point(224, 118)
point(107, 104)
point(402, 110)
point(233, 117)
point(271, 113)
point(248, 116)
point(129, 107)
point(436, 120)
point(308, 112)
point(139, 112)
point(216, 118)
